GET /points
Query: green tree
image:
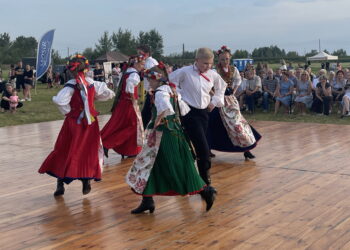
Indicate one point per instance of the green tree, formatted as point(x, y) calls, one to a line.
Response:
point(292, 54)
point(124, 42)
point(154, 40)
point(339, 52)
point(240, 54)
point(23, 47)
point(311, 53)
point(90, 54)
point(5, 45)
point(56, 58)
point(104, 44)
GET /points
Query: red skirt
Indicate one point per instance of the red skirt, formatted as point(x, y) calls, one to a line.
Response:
point(120, 132)
point(76, 152)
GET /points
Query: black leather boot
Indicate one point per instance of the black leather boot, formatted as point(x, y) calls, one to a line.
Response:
point(105, 151)
point(86, 186)
point(60, 188)
point(248, 155)
point(205, 175)
point(146, 204)
point(208, 195)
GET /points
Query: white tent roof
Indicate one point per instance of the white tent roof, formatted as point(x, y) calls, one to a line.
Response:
point(322, 56)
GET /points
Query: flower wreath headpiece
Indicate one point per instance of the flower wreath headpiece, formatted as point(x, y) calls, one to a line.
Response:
point(72, 65)
point(223, 49)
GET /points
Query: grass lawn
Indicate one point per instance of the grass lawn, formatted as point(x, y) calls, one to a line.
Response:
point(41, 109)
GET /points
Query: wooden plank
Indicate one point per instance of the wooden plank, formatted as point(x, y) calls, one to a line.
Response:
point(294, 195)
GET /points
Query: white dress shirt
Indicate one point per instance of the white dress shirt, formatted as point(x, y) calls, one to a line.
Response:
point(195, 89)
point(63, 97)
point(163, 104)
point(132, 81)
point(150, 62)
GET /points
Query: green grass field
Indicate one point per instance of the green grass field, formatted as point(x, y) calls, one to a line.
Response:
point(42, 109)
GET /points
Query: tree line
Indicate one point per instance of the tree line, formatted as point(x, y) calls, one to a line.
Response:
point(11, 51)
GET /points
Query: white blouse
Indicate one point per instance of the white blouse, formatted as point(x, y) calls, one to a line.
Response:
point(163, 104)
point(150, 62)
point(195, 89)
point(132, 81)
point(64, 96)
point(236, 78)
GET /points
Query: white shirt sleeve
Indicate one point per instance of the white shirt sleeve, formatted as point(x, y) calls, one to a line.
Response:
point(219, 87)
point(184, 108)
point(102, 92)
point(62, 99)
point(177, 77)
point(162, 103)
point(236, 78)
point(132, 81)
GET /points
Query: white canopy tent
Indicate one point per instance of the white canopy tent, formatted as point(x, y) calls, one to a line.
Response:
point(322, 56)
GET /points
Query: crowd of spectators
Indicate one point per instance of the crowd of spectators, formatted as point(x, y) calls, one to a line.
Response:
point(297, 90)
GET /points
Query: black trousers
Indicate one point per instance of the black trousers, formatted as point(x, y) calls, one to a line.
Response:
point(196, 125)
point(322, 107)
point(146, 112)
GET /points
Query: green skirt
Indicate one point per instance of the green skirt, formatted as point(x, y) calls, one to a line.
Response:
point(173, 172)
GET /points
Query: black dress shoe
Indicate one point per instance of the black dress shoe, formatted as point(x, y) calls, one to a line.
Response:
point(211, 154)
point(105, 151)
point(208, 195)
point(86, 186)
point(248, 155)
point(146, 204)
point(60, 188)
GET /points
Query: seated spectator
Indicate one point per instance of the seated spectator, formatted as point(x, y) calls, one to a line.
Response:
point(346, 100)
point(5, 99)
point(240, 92)
point(292, 77)
point(321, 104)
point(13, 101)
point(283, 93)
point(316, 80)
point(298, 72)
point(338, 87)
point(278, 74)
point(303, 97)
point(269, 87)
point(312, 75)
point(253, 90)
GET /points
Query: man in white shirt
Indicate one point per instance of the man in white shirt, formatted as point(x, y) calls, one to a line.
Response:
point(195, 83)
point(150, 62)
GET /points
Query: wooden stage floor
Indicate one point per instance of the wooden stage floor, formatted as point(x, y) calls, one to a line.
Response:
point(294, 195)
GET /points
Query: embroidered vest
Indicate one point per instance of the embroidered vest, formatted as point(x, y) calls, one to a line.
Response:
point(77, 104)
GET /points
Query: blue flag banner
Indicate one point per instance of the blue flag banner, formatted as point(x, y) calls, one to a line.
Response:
point(43, 59)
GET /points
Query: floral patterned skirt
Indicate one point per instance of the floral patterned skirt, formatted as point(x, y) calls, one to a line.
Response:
point(173, 171)
point(229, 131)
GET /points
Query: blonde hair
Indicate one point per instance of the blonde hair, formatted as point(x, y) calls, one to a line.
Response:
point(204, 53)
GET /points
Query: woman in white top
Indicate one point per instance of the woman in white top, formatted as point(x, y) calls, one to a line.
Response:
point(165, 165)
point(124, 131)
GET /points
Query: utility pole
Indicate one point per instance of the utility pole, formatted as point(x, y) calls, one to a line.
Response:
point(319, 45)
point(68, 52)
point(183, 49)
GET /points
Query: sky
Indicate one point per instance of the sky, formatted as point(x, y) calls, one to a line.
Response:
point(293, 25)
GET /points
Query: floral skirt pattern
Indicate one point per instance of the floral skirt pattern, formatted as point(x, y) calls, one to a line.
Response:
point(165, 166)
